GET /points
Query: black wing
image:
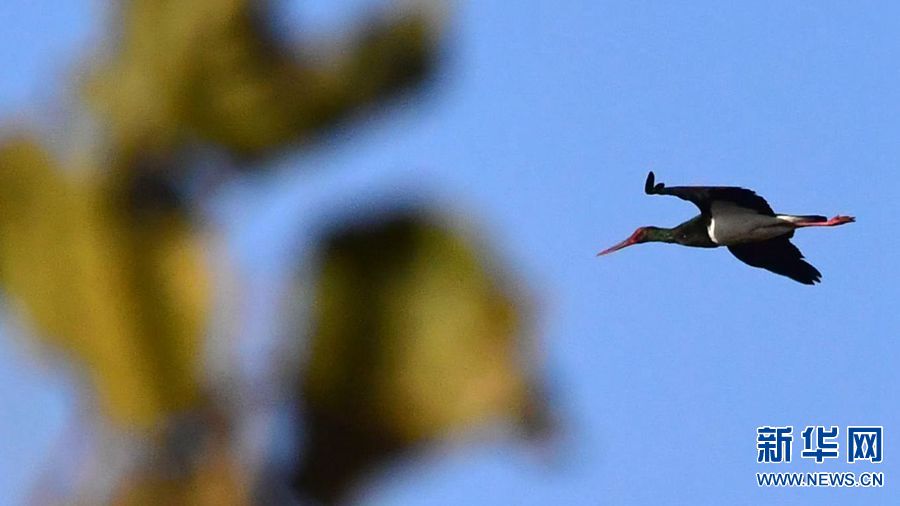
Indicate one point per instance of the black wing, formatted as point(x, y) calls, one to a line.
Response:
point(777, 255)
point(704, 196)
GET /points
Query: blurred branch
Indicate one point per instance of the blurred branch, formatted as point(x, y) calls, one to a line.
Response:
point(195, 463)
point(415, 337)
point(106, 260)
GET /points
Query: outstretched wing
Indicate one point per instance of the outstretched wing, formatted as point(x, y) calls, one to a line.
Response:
point(704, 196)
point(777, 255)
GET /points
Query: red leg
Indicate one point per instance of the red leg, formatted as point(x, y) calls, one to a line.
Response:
point(833, 222)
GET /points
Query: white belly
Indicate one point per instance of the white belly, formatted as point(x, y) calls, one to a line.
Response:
point(732, 224)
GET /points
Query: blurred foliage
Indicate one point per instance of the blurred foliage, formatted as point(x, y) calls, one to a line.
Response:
point(211, 70)
point(128, 297)
point(415, 338)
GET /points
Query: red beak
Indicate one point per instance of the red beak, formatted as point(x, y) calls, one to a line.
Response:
point(627, 242)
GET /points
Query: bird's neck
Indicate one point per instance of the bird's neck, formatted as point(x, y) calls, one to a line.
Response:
point(659, 234)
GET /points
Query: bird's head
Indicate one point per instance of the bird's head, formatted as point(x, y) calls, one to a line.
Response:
point(642, 235)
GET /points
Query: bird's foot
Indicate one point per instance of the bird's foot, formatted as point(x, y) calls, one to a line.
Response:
point(839, 220)
point(833, 222)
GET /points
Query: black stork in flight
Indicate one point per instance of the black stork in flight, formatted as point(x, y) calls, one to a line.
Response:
point(742, 221)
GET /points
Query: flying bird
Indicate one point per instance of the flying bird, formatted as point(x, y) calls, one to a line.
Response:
point(740, 220)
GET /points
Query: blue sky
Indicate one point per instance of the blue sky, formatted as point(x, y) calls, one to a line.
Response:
point(664, 359)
